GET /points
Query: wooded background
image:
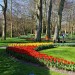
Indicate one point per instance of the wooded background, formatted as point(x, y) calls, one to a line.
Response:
point(49, 17)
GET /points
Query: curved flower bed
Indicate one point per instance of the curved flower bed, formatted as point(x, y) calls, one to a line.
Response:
point(29, 50)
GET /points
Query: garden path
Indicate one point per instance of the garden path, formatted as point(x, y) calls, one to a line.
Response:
point(49, 68)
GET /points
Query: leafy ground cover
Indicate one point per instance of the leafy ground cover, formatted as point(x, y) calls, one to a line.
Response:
point(9, 66)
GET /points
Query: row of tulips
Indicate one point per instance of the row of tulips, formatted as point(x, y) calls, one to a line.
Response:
point(30, 44)
point(48, 60)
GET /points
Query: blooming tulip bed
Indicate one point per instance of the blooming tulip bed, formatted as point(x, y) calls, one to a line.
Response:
point(31, 44)
point(28, 52)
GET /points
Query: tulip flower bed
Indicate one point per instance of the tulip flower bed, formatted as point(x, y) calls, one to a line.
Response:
point(25, 53)
point(30, 54)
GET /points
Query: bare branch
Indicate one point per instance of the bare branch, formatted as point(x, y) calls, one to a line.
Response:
point(1, 5)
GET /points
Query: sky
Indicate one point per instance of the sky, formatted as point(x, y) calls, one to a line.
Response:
point(71, 0)
point(1, 2)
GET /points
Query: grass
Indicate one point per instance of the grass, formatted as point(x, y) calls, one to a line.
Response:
point(13, 40)
point(65, 52)
point(27, 36)
point(32, 36)
point(3, 44)
point(9, 66)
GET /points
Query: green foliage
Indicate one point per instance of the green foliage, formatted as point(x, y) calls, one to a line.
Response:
point(65, 44)
point(70, 38)
point(27, 36)
point(39, 48)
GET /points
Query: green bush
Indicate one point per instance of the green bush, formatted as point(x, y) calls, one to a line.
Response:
point(65, 44)
point(44, 47)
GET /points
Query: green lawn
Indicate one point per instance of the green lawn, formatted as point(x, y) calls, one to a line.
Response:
point(13, 40)
point(9, 66)
point(65, 52)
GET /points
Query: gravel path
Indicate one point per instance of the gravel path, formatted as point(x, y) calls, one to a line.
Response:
point(63, 71)
point(2, 47)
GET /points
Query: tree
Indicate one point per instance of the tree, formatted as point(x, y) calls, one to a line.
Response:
point(60, 10)
point(4, 8)
point(49, 20)
point(11, 19)
point(38, 20)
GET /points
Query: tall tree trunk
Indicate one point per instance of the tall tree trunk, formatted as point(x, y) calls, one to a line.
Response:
point(55, 33)
point(38, 21)
point(4, 8)
point(44, 20)
point(3, 29)
point(11, 19)
point(59, 27)
point(61, 6)
point(49, 20)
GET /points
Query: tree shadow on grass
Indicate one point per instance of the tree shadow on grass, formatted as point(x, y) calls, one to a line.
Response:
point(9, 66)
